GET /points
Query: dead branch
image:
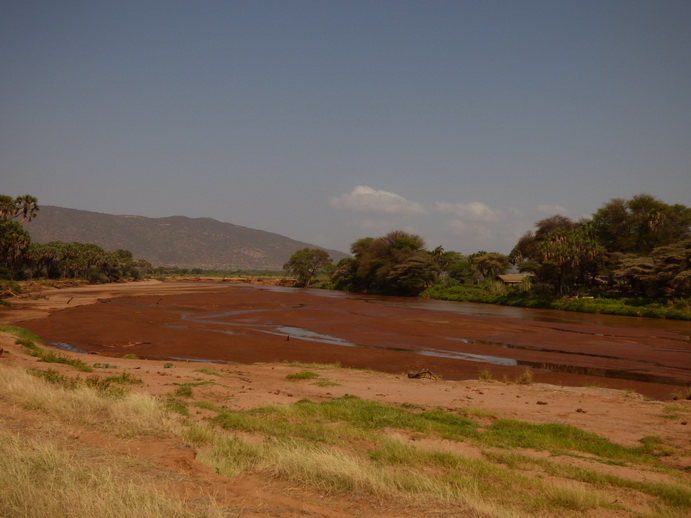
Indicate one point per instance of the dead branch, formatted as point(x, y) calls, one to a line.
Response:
point(424, 373)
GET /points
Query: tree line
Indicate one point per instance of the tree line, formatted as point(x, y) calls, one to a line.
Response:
point(629, 248)
point(639, 247)
point(21, 259)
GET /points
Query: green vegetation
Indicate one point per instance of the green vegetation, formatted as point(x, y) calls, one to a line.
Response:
point(176, 406)
point(103, 387)
point(99, 365)
point(306, 263)
point(209, 372)
point(21, 259)
point(20, 333)
point(395, 264)
point(327, 383)
point(632, 257)
point(303, 375)
point(396, 455)
point(308, 440)
point(184, 391)
point(130, 356)
point(50, 356)
point(125, 379)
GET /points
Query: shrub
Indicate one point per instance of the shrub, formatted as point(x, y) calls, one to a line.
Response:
point(486, 375)
point(526, 377)
point(684, 393)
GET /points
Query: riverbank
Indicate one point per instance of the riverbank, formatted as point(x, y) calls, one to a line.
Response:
point(672, 309)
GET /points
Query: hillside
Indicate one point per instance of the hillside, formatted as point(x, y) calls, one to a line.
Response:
point(172, 241)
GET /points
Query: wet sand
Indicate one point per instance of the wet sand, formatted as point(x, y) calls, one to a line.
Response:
point(243, 324)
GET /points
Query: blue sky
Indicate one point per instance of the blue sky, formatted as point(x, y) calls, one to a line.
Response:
point(327, 121)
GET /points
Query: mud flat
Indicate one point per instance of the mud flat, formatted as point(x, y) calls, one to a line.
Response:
point(250, 324)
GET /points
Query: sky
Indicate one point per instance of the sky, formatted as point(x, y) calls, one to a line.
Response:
point(464, 122)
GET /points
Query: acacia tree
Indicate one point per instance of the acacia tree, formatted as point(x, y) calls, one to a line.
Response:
point(393, 264)
point(490, 264)
point(306, 263)
point(641, 224)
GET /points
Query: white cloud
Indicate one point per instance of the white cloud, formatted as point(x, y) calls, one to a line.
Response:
point(551, 210)
point(365, 199)
point(474, 211)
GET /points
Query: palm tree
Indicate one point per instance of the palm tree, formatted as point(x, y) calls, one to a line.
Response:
point(8, 207)
point(27, 206)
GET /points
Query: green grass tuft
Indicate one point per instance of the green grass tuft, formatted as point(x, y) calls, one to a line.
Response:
point(303, 375)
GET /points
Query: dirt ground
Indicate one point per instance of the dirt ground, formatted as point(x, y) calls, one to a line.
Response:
point(114, 328)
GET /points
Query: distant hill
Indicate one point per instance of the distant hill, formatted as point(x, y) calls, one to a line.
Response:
point(174, 241)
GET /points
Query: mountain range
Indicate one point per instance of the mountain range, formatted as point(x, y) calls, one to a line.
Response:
point(172, 241)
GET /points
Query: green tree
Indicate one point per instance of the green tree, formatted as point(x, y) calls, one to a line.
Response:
point(490, 264)
point(394, 264)
point(306, 263)
point(443, 261)
point(14, 240)
point(665, 272)
point(564, 255)
point(641, 224)
point(569, 255)
point(25, 206)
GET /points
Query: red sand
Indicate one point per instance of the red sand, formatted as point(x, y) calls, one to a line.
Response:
point(152, 326)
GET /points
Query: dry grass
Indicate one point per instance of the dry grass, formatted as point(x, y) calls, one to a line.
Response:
point(131, 416)
point(38, 478)
point(339, 447)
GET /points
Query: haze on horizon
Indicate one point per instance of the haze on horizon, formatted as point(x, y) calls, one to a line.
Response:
point(464, 122)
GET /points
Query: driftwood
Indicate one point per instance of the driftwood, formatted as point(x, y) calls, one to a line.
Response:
point(424, 373)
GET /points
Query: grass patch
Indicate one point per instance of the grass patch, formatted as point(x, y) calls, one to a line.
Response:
point(103, 387)
point(38, 477)
point(130, 356)
point(125, 379)
point(302, 375)
point(20, 333)
point(207, 405)
point(676, 497)
point(84, 402)
point(350, 445)
point(209, 372)
point(327, 383)
point(177, 406)
point(104, 366)
point(184, 391)
point(47, 356)
point(564, 439)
